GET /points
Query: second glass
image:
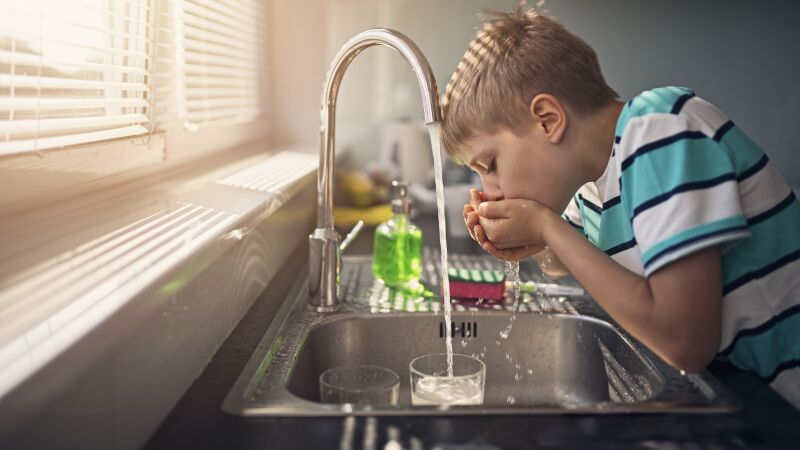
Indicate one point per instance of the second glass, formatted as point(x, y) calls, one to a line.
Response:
point(362, 384)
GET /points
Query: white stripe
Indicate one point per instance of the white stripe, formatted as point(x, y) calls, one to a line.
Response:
point(788, 385)
point(609, 186)
point(707, 115)
point(589, 192)
point(696, 246)
point(630, 259)
point(759, 300)
point(762, 191)
point(684, 211)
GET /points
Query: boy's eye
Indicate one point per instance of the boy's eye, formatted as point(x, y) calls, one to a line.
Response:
point(492, 166)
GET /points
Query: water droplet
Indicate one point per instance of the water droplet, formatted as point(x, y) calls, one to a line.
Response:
point(508, 356)
point(510, 400)
point(683, 372)
point(497, 342)
point(517, 376)
point(530, 371)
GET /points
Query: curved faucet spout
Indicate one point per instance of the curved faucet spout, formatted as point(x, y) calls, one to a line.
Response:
point(324, 253)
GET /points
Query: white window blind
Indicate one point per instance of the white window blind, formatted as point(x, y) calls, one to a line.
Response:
point(73, 72)
point(220, 59)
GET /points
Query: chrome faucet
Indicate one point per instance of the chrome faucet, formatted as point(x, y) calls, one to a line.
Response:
point(324, 249)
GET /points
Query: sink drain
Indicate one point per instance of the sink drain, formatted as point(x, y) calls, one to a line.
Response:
point(464, 329)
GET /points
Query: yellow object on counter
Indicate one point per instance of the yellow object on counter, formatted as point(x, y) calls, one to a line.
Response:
point(358, 187)
point(375, 215)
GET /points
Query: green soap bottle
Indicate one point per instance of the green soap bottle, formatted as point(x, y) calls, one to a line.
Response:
point(397, 251)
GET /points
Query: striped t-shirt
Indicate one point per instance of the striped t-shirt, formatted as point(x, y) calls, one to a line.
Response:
point(682, 177)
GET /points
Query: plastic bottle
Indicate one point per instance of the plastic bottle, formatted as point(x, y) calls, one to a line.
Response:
point(397, 250)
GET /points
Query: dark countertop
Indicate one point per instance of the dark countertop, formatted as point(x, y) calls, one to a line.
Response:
point(197, 422)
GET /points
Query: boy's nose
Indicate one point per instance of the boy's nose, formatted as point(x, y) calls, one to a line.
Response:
point(492, 193)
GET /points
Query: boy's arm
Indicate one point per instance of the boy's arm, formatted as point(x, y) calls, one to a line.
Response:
point(676, 312)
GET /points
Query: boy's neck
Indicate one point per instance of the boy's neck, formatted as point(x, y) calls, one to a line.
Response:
point(599, 139)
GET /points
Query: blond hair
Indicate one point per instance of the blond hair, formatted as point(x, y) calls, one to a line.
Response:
point(512, 59)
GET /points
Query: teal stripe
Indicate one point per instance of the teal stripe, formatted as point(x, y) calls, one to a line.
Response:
point(692, 233)
point(591, 224)
point(660, 100)
point(566, 219)
point(617, 228)
point(664, 169)
point(741, 150)
point(772, 239)
point(764, 352)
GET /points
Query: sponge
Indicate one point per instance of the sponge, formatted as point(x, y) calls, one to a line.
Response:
point(476, 284)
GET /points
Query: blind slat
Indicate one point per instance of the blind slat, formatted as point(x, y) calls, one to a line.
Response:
point(196, 8)
point(31, 59)
point(44, 103)
point(229, 115)
point(214, 103)
point(203, 59)
point(29, 81)
point(44, 125)
point(98, 49)
point(26, 145)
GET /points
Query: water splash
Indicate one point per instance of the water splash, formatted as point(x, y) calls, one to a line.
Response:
point(511, 270)
point(435, 132)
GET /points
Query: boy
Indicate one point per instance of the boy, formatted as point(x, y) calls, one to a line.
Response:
point(680, 228)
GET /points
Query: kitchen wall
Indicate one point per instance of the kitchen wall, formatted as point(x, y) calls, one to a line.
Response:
point(740, 55)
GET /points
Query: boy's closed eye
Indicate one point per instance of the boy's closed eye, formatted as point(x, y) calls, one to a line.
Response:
point(492, 167)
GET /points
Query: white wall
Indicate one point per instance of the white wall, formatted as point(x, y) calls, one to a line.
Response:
point(740, 55)
point(298, 60)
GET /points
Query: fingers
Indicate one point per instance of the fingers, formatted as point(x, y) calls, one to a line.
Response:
point(493, 210)
point(480, 234)
point(512, 254)
point(475, 198)
point(472, 221)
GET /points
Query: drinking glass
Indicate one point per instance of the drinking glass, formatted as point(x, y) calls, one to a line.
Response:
point(361, 384)
point(431, 384)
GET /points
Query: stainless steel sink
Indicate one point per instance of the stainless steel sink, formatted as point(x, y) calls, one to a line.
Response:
point(562, 355)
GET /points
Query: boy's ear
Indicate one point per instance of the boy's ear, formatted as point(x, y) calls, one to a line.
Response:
point(549, 116)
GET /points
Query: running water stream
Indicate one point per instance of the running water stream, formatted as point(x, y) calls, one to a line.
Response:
point(435, 132)
point(512, 276)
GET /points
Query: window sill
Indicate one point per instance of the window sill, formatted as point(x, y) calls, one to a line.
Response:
point(69, 266)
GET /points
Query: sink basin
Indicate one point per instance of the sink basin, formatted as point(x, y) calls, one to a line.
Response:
point(547, 359)
point(562, 355)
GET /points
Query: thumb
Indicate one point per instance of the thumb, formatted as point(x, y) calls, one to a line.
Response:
point(492, 210)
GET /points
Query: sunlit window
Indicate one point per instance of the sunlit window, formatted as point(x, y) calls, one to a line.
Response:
point(221, 61)
point(72, 72)
point(81, 71)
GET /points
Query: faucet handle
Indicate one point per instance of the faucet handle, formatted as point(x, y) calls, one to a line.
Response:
point(351, 236)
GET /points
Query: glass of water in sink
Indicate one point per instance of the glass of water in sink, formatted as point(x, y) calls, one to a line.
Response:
point(362, 385)
point(432, 385)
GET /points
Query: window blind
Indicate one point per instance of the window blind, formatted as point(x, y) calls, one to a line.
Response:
point(220, 59)
point(72, 72)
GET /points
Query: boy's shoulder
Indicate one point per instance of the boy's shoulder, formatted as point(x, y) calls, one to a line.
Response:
point(662, 100)
point(674, 108)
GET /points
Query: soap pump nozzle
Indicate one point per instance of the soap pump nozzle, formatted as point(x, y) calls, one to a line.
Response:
point(400, 202)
